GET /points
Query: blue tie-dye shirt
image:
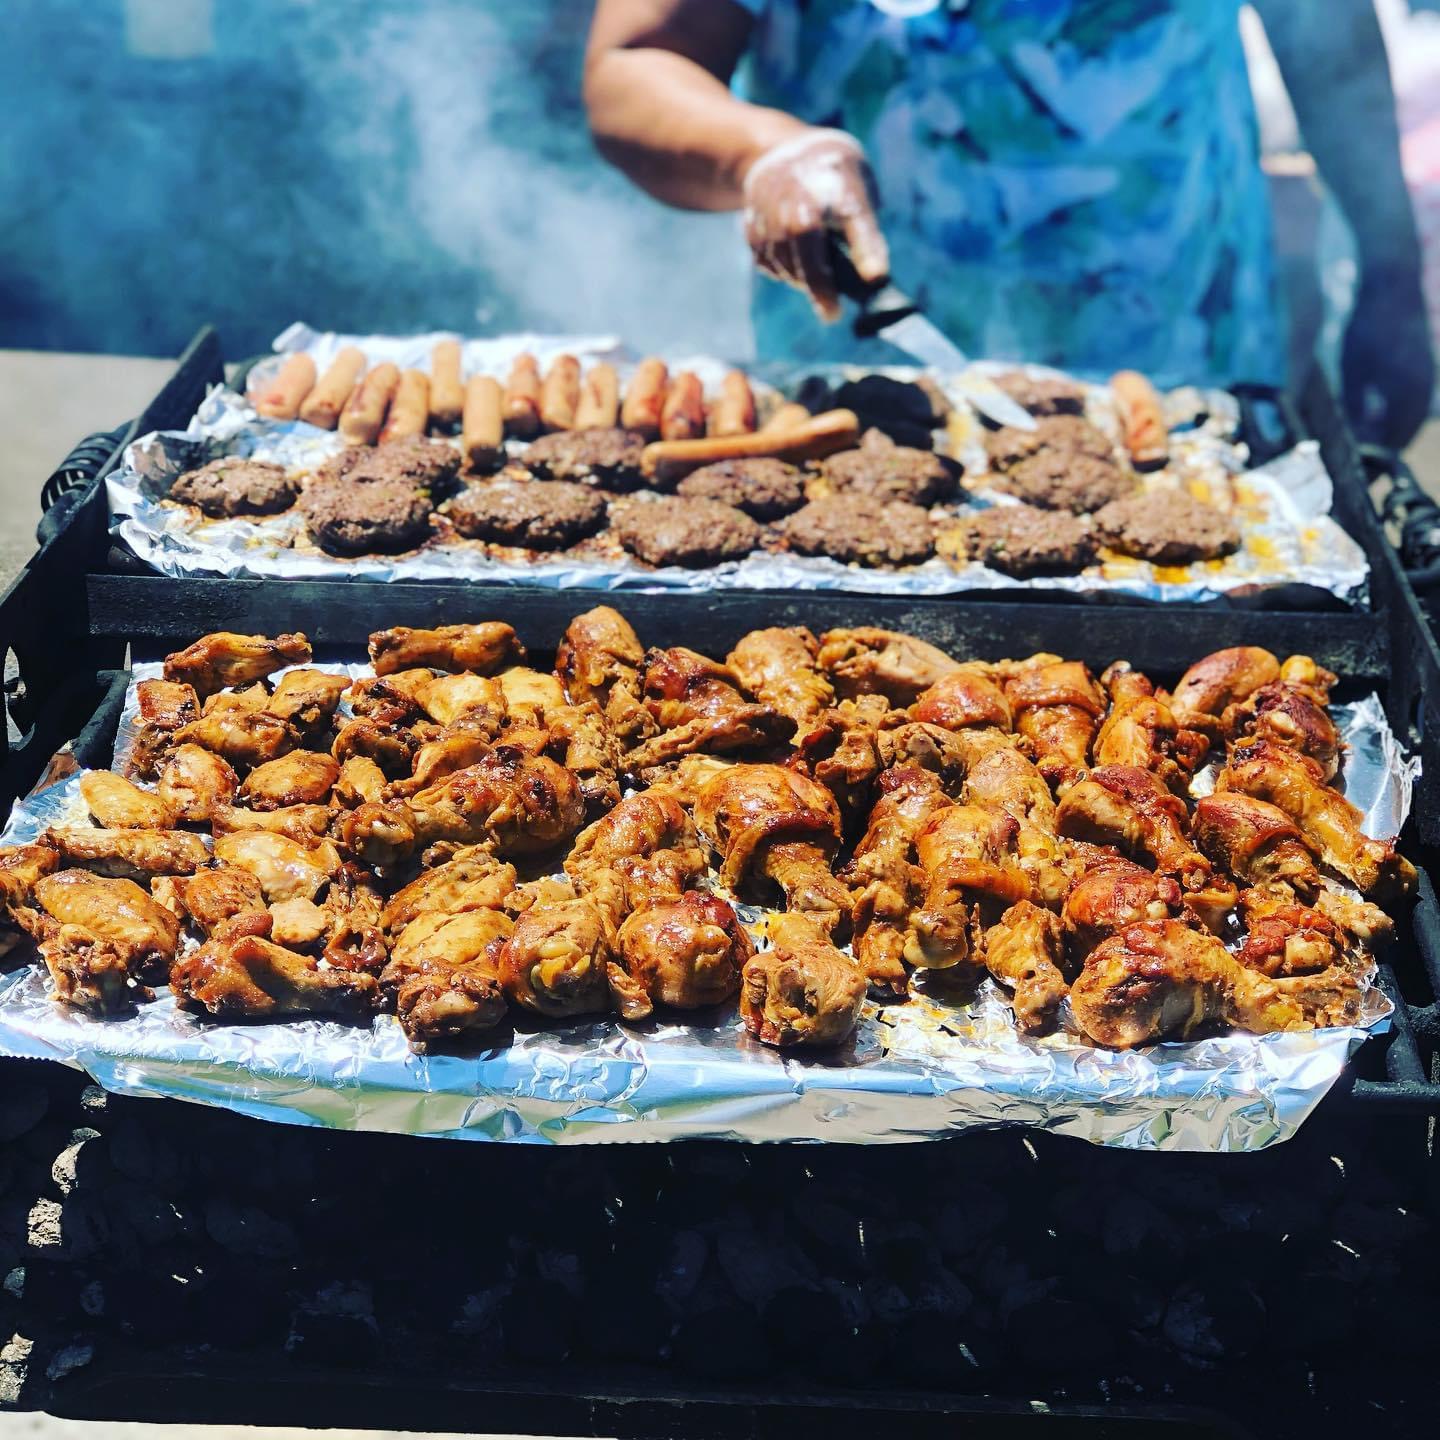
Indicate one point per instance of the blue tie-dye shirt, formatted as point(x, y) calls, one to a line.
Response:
point(1074, 182)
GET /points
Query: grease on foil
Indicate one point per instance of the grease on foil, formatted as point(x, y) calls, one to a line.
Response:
point(1289, 537)
point(915, 1071)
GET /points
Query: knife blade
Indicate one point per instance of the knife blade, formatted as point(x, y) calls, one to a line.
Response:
point(886, 312)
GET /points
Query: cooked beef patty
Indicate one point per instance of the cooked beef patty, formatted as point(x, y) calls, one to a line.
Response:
point(382, 517)
point(1042, 394)
point(863, 529)
point(881, 468)
point(1069, 434)
point(431, 464)
point(608, 456)
point(1060, 480)
point(231, 486)
point(539, 516)
point(1022, 540)
point(673, 530)
point(763, 488)
point(1168, 527)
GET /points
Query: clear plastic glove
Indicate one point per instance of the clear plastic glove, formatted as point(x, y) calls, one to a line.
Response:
point(1387, 366)
point(800, 194)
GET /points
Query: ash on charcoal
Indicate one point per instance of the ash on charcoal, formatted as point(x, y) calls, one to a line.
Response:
point(83, 1161)
point(14, 1366)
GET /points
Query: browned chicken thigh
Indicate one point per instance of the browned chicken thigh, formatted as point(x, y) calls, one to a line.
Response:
point(964, 699)
point(284, 867)
point(443, 974)
point(212, 896)
point(1141, 730)
point(1256, 842)
point(599, 660)
point(684, 954)
point(778, 667)
point(1057, 707)
point(1287, 715)
point(1111, 894)
point(217, 661)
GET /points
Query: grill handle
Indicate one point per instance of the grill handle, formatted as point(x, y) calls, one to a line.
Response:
point(1415, 516)
point(65, 489)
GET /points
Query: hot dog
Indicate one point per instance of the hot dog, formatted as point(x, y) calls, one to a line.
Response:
point(364, 412)
point(1142, 419)
point(787, 417)
point(560, 394)
point(282, 397)
point(645, 398)
point(410, 409)
point(447, 391)
point(522, 398)
point(322, 406)
point(599, 398)
point(734, 412)
point(818, 436)
point(483, 428)
point(683, 417)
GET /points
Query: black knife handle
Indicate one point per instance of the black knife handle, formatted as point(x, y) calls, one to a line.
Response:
point(881, 302)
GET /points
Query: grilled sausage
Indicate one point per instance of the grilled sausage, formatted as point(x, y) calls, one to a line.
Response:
point(599, 399)
point(410, 409)
point(645, 398)
point(787, 417)
point(734, 412)
point(819, 436)
point(522, 398)
point(483, 428)
point(281, 399)
point(560, 394)
point(364, 411)
point(447, 391)
point(683, 417)
point(1142, 418)
point(322, 406)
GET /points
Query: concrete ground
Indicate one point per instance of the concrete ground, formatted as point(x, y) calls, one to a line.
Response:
point(46, 1427)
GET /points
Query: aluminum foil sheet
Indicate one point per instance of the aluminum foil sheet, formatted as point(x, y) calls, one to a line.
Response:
point(914, 1071)
point(1289, 537)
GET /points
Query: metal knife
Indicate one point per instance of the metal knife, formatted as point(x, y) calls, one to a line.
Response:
point(888, 313)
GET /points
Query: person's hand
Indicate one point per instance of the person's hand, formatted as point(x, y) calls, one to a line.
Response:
point(1387, 367)
point(797, 196)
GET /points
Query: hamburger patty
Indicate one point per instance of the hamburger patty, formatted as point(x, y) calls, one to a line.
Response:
point(382, 517)
point(1168, 527)
point(608, 456)
point(763, 488)
point(430, 464)
point(862, 529)
point(1022, 540)
point(232, 486)
point(1043, 394)
point(674, 530)
point(887, 471)
point(539, 516)
point(1069, 434)
point(1067, 480)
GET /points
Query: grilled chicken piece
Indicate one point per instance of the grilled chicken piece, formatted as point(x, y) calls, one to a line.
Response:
point(1112, 894)
point(1161, 979)
point(360, 779)
point(683, 954)
point(485, 648)
point(1287, 715)
point(1302, 670)
point(377, 834)
point(400, 691)
point(1141, 730)
point(243, 738)
point(212, 896)
point(972, 874)
point(308, 698)
point(388, 737)
point(964, 699)
point(1025, 952)
point(778, 667)
point(239, 974)
point(162, 707)
point(1256, 842)
point(304, 777)
point(142, 932)
point(599, 660)
point(1225, 678)
point(868, 660)
point(303, 824)
point(648, 840)
point(217, 661)
point(473, 880)
point(581, 739)
point(697, 705)
point(888, 881)
point(769, 822)
point(843, 748)
point(1288, 939)
point(298, 924)
point(1057, 707)
point(284, 867)
point(1001, 777)
point(556, 963)
point(195, 782)
point(802, 991)
point(246, 699)
point(20, 867)
point(355, 940)
point(1295, 784)
point(443, 975)
point(130, 854)
point(476, 701)
point(531, 696)
point(88, 972)
point(453, 749)
point(118, 805)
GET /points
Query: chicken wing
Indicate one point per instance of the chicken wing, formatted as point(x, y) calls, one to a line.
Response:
point(118, 805)
point(580, 738)
point(360, 779)
point(162, 708)
point(802, 991)
point(778, 667)
point(531, 696)
point(284, 867)
point(1256, 842)
point(556, 963)
point(1110, 895)
point(485, 648)
point(304, 777)
point(243, 738)
point(1141, 730)
point(1057, 707)
point(308, 698)
point(398, 692)
point(298, 924)
point(443, 975)
point(117, 913)
point(599, 660)
point(473, 880)
point(1219, 680)
point(130, 854)
point(684, 954)
point(1025, 952)
point(1287, 715)
point(20, 867)
point(212, 896)
point(866, 659)
point(223, 659)
point(304, 824)
point(88, 973)
point(1295, 784)
point(385, 736)
point(964, 699)
point(476, 701)
point(195, 782)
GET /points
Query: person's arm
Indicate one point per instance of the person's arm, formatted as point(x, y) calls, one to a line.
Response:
point(1333, 61)
point(657, 91)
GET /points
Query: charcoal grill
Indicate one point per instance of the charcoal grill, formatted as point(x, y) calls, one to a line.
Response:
point(176, 1263)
